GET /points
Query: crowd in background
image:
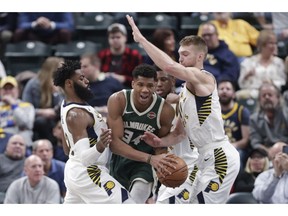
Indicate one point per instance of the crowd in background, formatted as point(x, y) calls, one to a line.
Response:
point(246, 54)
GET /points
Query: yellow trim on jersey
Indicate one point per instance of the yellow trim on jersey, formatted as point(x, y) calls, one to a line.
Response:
point(229, 114)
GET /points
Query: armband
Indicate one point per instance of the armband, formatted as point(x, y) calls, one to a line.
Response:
point(88, 155)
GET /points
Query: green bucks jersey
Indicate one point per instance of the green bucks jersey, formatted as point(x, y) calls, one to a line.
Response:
point(135, 124)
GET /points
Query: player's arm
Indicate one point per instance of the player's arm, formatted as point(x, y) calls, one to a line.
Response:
point(172, 138)
point(166, 118)
point(198, 78)
point(78, 120)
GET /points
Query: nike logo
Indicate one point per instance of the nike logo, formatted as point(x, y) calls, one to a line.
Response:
point(206, 159)
point(130, 112)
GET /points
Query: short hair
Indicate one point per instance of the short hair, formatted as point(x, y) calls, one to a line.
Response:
point(209, 23)
point(65, 71)
point(36, 144)
point(227, 79)
point(144, 70)
point(196, 41)
point(94, 59)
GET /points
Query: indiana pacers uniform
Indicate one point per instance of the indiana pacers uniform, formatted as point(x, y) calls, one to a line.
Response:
point(92, 183)
point(126, 171)
point(181, 195)
point(218, 160)
point(233, 120)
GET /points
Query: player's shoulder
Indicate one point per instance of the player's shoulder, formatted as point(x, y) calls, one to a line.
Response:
point(117, 96)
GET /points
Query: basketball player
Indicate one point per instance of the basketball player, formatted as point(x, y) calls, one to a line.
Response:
point(130, 114)
point(199, 118)
point(87, 138)
point(179, 195)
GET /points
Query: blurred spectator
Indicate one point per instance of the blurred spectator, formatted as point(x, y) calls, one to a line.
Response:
point(45, 97)
point(12, 163)
point(119, 60)
point(59, 153)
point(269, 125)
point(276, 21)
point(271, 185)
point(16, 116)
point(52, 168)
point(220, 61)
point(236, 119)
point(257, 162)
point(51, 28)
point(34, 188)
point(240, 36)
point(262, 67)
point(164, 39)
point(101, 86)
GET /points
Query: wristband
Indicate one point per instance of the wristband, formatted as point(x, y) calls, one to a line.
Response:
point(149, 159)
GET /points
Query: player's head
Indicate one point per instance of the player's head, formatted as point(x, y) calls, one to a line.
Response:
point(70, 77)
point(192, 51)
point(144, 82)
point(165, 83)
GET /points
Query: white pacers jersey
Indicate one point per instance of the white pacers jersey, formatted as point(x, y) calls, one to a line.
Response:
point(91, 183)
point(218, 160)
point(202, 119)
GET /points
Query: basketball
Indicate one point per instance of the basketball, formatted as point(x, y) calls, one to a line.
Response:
point(177, 176)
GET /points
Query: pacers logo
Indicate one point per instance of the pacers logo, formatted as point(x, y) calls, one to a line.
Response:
point(109, 186)
point(213, 186)
point(184, 194)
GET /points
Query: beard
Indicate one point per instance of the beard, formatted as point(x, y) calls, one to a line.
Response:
point(225, 101)
point(268, 106)
point(82, 92)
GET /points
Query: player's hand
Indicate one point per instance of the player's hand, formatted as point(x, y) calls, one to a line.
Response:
point(151, 139)
point(135, 31)
point(105, 140)
point(162, 163)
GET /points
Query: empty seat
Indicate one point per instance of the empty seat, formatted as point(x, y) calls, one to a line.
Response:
point(26, 55)
point(147, 24)
point(241, 198)
point(93, 27)
point(189, 24)
point(75, 49)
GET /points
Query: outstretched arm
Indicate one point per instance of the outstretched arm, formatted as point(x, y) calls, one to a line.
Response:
point(174, 137)
point(203, 83)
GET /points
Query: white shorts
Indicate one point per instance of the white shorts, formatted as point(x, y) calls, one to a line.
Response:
point(218, 169)
point(92, 185)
